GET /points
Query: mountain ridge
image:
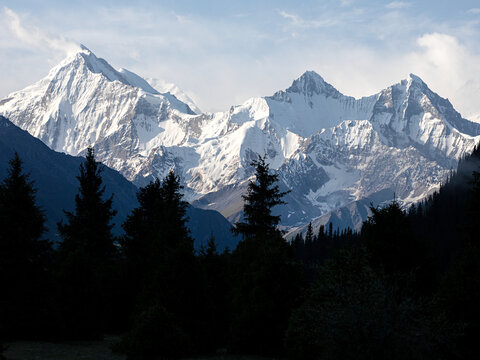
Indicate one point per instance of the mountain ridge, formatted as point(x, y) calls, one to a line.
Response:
point(333, 148)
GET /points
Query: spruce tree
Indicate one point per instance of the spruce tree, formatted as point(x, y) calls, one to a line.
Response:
point(156, 234)
point(389, 239)
point(24, 255)
point(265, 278)
point(22, 221)
point(87, 257)
point(459, 293)
point(309, 242)
point(162, 271)
point(89, 228)
point(394, 247)
point(309, 234)
point(352, 311)
point(262, 195)
point(216, 286)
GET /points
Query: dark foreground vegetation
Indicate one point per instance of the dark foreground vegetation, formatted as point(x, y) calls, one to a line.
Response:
point(406, 287)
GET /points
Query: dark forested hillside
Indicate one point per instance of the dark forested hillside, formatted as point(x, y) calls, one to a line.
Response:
point(407, 286)
point(447, 217)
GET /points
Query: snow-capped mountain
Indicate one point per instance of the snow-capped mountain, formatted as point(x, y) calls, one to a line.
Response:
point(164, 87)
point(328, 148)
point(54, 174)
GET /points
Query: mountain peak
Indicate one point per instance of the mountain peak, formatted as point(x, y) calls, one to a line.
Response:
point(414, 83)
point(414, 79)
point(312, 76)
point(310, 83)
point(100, 66)
point(84, 48)
point(86, 58)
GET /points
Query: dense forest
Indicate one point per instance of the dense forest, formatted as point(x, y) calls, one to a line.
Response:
point(407, 286)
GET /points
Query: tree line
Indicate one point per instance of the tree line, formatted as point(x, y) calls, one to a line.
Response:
point(407, 286)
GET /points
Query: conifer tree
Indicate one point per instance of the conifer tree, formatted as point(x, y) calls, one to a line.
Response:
point(394, 247)
point(262, 195)
point(216, 286)
point(389, 238)
point(266, 280)
point(321, 232)
point(351, 311)
point(162, 269)
point(87, 258)
point(24, 255)
point(299, 246)
point(211, 247)
point(309, 235)
point(156, 231)
point(22, 221)
point(142, 242)
point(309, 240)
point(459, 293)
point(89, 228)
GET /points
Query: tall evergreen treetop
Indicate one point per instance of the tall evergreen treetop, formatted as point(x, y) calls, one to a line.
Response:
point(309, 237)
point(162, 272)
point(265, 279)
point(262, 195)
point(86, 272)
point(158, 223)
point(89, 227)
point(473, 206)
point(21, 220)
point(175, 212)
point(24, 257)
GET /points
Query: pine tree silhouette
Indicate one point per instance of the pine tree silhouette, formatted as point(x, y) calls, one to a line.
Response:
point(87, 257)
point(163, 273)
point(24, 255)
point(262, 195)
point(265, 279)
point(89, 227)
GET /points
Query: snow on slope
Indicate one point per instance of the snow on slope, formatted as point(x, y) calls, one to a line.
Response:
point(166, 87)
point(330, 149)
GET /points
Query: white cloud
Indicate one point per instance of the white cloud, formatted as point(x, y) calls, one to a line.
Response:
point(451, 69)
point(35, 37)
point(398, 5)
point(474, 11)
point(298, 21)
point(345, 3)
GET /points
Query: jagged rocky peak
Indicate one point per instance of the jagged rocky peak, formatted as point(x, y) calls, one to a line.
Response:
point(436, 105)
point(412, 80)
point(84, 48)
point(418, 88)
point(311, 83)
point(414, 93)
point(415, 79)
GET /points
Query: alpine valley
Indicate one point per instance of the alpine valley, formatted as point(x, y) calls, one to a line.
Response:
point(336, 154)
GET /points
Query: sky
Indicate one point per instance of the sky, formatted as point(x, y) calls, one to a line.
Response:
point(222, 52)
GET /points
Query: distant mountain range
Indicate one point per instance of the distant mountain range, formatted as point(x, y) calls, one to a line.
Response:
point(54, 175)
point(334, 152)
